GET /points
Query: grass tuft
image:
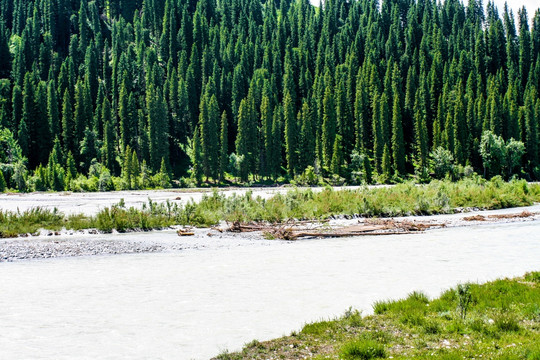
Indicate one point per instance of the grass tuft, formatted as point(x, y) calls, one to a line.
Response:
point(533, 276)
point(362, 349)
point(319, 328)
point(506, 322)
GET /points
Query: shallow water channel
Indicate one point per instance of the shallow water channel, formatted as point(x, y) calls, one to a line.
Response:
point(193, 304)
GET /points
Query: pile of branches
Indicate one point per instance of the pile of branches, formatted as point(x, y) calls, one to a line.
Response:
point(521, 215)
point(293, 230)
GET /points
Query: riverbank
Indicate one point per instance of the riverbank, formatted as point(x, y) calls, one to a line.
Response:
point(69, 243)
point(499, 319)
point(88, 243)
point(438, 197)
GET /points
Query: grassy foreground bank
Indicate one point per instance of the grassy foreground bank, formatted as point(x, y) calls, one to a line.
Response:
point(497, 320)
point(438, 197)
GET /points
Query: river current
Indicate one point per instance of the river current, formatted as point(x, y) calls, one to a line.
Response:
point(193, 304)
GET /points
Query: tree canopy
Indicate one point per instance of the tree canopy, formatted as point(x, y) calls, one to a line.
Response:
point(282, 85)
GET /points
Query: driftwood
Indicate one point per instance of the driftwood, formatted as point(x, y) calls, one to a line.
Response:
point(524, 214)
point(294, 230)
point(521, 215)
point(475, 218)
point(185, 232)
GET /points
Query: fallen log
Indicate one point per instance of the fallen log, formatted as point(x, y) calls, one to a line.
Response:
point(297, 235)
point(475, 218)
point(293, 230)
point(523, 214)
point(185, 232)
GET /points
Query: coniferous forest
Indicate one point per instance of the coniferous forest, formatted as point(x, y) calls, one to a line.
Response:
point(119, 94)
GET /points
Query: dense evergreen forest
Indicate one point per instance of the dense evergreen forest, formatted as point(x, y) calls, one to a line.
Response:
point(112, 94)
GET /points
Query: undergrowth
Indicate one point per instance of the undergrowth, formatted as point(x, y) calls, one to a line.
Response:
point(438, 197)
point(502, 322)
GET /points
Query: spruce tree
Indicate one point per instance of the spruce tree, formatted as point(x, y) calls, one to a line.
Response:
point(157, 127)
point(127, 167)
point(52, 109)
point(3, 184)
point(88, 149)
point(224, 146)
point(124, 115)
point(291, 135)
point(398, 144)
point(209, 120)
point(266, 136)
point(336, 165)
point(23, 138)
point(164, 178)
point(460, 131)
point(466, 72)
point(328, 127)
point(386, 164)
point(277, 142)
point(71, 169)
point(196, 163)
point(307, 137)
point(245, 140)
point(108, 153)
point(531, 129)
point(27, 126)
point(17, 106)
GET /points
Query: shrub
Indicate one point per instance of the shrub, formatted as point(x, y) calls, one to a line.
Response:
point(464, 299)
point(308, 177)
point(442, 162)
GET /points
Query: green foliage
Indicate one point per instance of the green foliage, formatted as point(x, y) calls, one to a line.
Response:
point(3, 184)
point(533, 276)
point(196, 157)
point(28, 222)
point(360, 168)
point(391, 81)
point(403, 199)
point(362, 350)
point(162, 178)
point(443, 163)
point(506, 322)
point(236, 164)
point(308, 177)
point(498, 156)
point(464, 299)
point(498, 326)
point(319, 328)
point(20, 176)
point(10, 151)
point(336, 165)
point(224, 146)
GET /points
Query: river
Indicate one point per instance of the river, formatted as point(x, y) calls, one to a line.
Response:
point(195, 303)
